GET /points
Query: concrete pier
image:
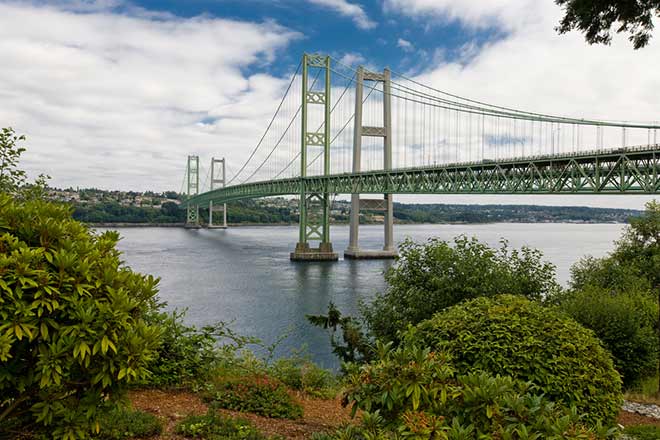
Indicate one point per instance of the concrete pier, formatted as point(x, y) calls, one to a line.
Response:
point(359, 254)
point(304, 252)
point(385, 204)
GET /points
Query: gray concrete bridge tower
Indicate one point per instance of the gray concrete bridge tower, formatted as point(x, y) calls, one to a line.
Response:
point(385, 204)
point(218, 181)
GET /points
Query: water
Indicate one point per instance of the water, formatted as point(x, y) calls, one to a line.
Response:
point(244, 274)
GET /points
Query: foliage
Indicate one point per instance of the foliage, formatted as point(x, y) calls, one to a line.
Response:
point(644, 432)
point(624, 322)
point(632, 268)
point(257, 393)
point(122, 423)
point(635, 263)
point(607, 274)
point(640, 245)
point(11, 177)
point(213, 426)
point(303, 375)
point(416, 393)
point(72, 319)
point(188, 355)
point(595, 19)
point(512, 336)
point(431, 277)
point(355, 346)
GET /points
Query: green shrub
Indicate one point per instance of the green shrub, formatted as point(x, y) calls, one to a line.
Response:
point(511, 336)
point(122, 423)
point(625, 323)
point(188, 355)
point(416, 393)
point(257, 394)
point(304, 375)
point(431, 277)
point(72, 320)
point(213, 426)
point(645, 432)
point(607, 274)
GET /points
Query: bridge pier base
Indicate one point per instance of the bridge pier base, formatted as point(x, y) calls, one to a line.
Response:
point(304, 252)
point(359, 254)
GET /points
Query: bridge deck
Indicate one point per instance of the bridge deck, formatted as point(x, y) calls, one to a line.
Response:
point(621, 171)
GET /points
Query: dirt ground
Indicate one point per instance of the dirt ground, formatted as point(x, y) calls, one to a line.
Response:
point(631, 419)
point(172, 406)
point(319, 415)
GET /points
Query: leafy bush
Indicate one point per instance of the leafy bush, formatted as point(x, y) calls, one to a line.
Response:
point(72, 319)
point(257, 394)
point(213, 426)
point(188, 355)
point(607, 274)
point(625, 323)
point(645, 432)
point(122, 423)
point(355, 346)
point(509, 335)
point(301, 374)
point(431, 277)
point(616, 297)
point(416, 393)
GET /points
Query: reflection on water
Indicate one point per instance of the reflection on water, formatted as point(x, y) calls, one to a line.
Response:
point(244, 274)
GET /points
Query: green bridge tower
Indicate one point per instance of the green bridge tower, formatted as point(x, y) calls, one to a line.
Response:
point(314, 205)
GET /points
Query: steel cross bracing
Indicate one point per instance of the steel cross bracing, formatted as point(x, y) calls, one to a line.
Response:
point(624, 171)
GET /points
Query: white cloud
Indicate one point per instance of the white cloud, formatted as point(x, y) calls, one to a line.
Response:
point(352, 59)
point(116, 101)
point(532, 68)
point(406, 45)
point(473, 13)
point(354, 11)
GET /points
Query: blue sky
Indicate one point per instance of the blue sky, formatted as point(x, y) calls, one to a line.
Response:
point(405, 43)
point(116, 93)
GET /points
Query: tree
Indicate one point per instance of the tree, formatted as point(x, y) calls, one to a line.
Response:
point(632, 268)
point(595, 19)
point(11, 177)
point(431, 277)
point(640, 248)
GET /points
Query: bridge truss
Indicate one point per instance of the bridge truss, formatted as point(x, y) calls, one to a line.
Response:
point(409, 138)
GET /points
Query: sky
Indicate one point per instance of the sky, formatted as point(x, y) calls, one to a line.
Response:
point(115, 94)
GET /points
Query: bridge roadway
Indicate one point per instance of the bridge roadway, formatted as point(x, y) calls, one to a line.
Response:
point(634, 170)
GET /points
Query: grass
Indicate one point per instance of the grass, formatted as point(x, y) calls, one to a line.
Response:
point(644, 432)
point(645, 392)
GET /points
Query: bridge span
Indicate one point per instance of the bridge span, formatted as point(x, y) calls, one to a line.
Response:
point(408, 138)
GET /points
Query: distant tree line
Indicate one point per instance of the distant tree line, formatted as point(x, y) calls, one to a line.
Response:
point(254, 211)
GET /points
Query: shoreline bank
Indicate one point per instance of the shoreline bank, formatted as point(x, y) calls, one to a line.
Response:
point(239, 225)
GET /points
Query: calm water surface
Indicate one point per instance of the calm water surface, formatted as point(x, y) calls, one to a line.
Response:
point(244, 274)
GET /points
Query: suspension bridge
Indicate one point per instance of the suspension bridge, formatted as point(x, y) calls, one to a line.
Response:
point(340, 129)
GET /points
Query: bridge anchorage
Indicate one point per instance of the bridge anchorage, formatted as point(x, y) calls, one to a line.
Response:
point(409, 138)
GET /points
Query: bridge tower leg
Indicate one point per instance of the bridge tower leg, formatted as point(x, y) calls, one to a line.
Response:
point(192, 217)
point(314, 207)
point(386, 203)
point(218, 181)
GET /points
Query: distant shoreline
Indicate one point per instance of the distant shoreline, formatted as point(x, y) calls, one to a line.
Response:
point(240, 225)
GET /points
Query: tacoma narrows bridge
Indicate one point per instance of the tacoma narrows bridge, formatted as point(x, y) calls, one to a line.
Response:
point(344, 130)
